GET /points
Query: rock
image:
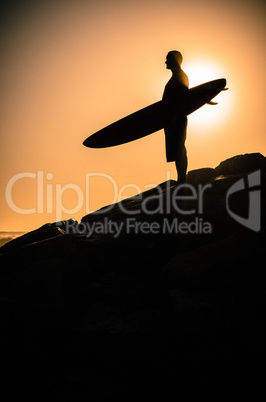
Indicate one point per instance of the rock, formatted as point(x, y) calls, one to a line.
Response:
point(26, 373)
point(87, 382)
point(234, 359)
point(113, 288)
point(146, 311)
point(226, 262)
point(200, 316)
point(204, 175)
point(241, 164)
point(120, 336)
point(46, 231)
point(133, 206)
point(39, 282)
point(124, 325)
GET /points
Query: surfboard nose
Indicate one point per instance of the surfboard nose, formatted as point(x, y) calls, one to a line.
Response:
point(219, 84)
point(223, 82)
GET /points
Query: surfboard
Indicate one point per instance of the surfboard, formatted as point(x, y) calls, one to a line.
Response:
point(149, 120)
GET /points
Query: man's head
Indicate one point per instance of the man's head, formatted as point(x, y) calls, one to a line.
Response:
point(173, 59)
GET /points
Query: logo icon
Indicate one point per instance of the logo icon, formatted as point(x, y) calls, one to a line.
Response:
point(253, 221)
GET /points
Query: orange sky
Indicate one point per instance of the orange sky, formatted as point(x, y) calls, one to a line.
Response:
point(69, 68)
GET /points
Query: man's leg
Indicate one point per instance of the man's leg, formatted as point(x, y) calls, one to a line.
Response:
point(181, 165)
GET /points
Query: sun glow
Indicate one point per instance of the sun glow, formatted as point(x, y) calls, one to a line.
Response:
point(209, 116)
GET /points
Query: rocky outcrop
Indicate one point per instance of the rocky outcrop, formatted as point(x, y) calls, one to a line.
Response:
point(240, 164)
point(156, 296)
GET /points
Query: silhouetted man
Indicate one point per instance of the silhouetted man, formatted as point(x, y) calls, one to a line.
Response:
point(175, 119)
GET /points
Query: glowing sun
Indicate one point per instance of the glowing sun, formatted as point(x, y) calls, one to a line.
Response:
point(208, 116)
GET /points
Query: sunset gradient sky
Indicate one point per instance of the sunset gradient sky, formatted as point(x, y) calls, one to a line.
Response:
point(69, 68)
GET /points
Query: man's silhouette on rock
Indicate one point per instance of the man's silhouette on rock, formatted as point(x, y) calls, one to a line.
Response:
point(175, 119)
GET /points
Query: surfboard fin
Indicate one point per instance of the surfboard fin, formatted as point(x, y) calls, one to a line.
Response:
point(212, 103)
point(225, 89)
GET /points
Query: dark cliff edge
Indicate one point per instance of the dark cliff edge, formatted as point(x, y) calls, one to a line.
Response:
point(161, 295)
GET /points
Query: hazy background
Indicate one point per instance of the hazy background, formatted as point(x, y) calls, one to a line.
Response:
point(69, 68)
